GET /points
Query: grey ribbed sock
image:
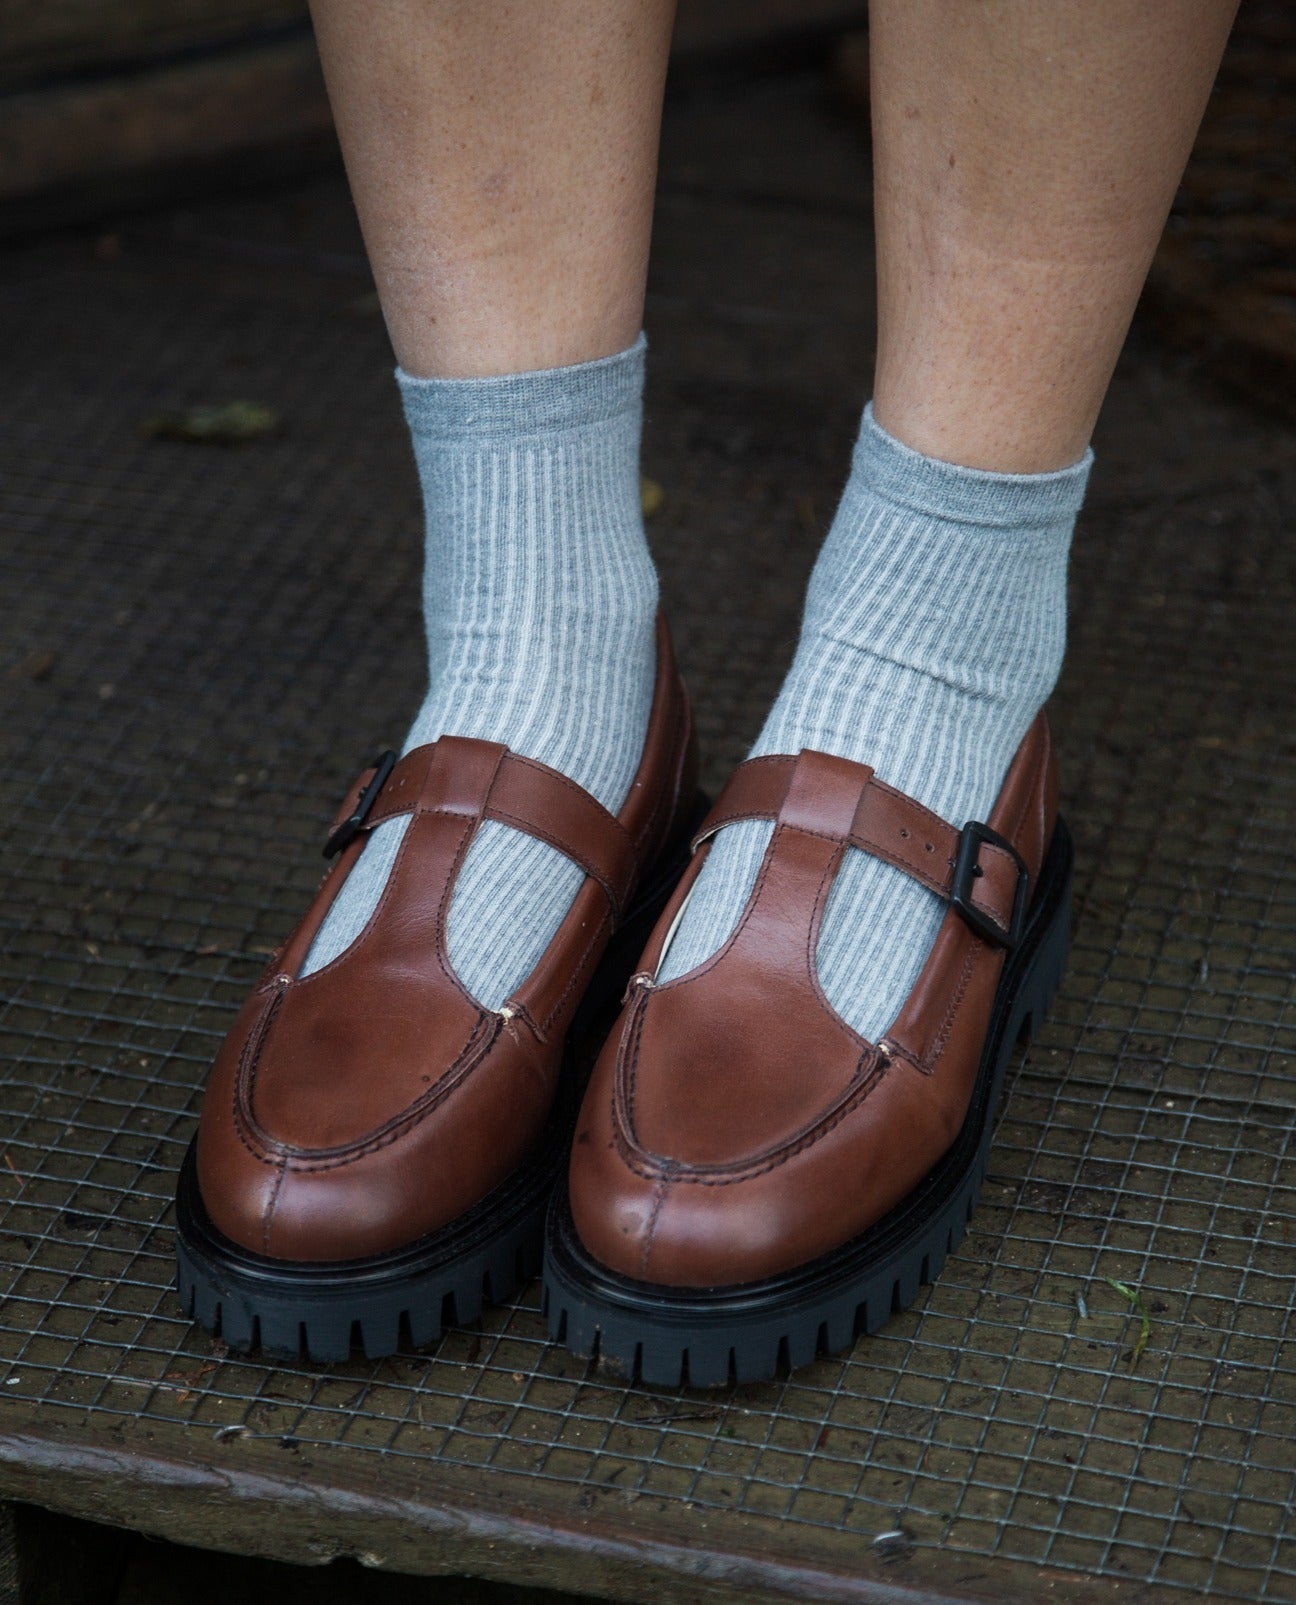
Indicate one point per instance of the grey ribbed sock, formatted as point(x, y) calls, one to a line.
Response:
point(540, 601)
point(934, 629)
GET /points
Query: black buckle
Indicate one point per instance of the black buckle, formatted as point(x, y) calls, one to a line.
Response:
point(972, 838)
point(352, 825)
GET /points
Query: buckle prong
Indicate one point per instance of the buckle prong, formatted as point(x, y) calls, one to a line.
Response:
point(353, 824)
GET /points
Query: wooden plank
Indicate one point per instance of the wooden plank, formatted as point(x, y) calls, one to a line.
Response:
point(73, 36)
point(312, 1507)
point(65, 145)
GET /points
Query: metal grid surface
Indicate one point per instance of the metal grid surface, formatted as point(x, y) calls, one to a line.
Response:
point(201, 643)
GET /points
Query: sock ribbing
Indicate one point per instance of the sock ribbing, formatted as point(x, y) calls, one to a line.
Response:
point(540, 600)
point(934, 629)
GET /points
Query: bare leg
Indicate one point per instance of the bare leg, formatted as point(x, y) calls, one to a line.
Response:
point(1025, 158)
point(502, 159)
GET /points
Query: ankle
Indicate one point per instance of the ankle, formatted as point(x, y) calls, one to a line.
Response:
point(935, 620)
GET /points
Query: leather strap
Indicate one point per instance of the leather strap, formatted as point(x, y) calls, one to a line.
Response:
point(532, 797)
point(459, 775)
point(885, 823)
point(755, 790)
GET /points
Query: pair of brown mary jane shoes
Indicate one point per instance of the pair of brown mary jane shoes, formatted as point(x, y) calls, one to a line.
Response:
point(749, 1181)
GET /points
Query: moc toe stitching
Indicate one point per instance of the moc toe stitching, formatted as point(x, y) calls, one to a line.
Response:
point(649, 1164)
point(302, 1158)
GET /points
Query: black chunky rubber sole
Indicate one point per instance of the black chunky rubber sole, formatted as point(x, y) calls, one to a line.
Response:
point(671, 1337)
point(406, 1298)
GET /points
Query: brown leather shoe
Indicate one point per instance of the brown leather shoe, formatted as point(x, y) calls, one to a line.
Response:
point(376, 1150)
point(751, 1182)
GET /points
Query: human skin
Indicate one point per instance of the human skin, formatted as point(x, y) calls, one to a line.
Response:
point(503, 157)
point(1026, 153)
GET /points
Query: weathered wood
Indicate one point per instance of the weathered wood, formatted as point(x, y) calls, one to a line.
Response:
point(72, 36)
point(300, 1504)
point(226, 103)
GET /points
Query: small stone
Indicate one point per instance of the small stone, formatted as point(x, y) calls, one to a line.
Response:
point(893, 1546)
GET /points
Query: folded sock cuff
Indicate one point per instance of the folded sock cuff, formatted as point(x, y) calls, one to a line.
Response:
point(897, 473)
point(519, 404)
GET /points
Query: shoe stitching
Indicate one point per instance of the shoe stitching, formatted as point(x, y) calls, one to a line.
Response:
point(440, 946)
point(630, 1074)
point(472, 1053)
point(384, 898)
point(265, 1149)
point(659, 1198)
point(645, 1166)
point(933, 822)
point(267, 1218)
point(812, 951)
point(714, 824)
point(572, 785)
point(976, 953)
point(591, 947)
point(707, 965)
point(632, 1031)
point(928, 1063)
point(971, 962)
point(887, 856)
point(666, 797)
point(895, 1050)
point(250, 1057)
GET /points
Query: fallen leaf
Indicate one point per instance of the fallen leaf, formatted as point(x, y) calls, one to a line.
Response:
point(231, 423)
point(1138, 1307)
point(35, 666)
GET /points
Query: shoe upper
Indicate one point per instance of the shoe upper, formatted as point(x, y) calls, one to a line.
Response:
point(735, 1127)
point(358, 1109)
